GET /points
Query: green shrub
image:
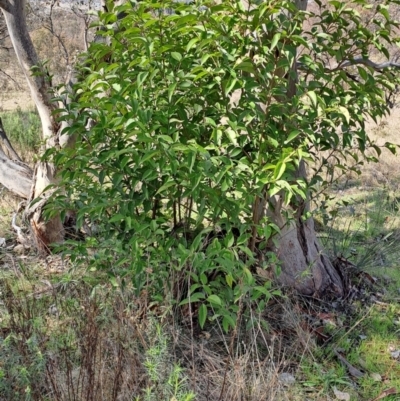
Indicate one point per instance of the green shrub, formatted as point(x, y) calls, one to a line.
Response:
point(194, 128)
point(178, 173)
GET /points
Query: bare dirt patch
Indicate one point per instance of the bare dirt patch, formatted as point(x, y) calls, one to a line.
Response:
point(11, 101)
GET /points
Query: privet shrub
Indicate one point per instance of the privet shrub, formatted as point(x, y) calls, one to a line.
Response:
point(187, 122)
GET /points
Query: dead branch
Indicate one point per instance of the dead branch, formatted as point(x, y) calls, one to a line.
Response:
point(15, 176)
point(369, 63)
point(6, 144)
point(9, 76)
point(357, 61)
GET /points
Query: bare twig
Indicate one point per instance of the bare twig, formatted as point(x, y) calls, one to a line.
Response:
point(356, 324)
point(11, 153)
point(369, 63)
point(385, 393)
point(9, 76)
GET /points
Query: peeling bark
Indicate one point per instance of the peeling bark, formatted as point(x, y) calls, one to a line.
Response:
point(46, 231)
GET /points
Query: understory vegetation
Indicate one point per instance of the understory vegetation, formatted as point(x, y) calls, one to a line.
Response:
point(189, 164)
point(68, 333)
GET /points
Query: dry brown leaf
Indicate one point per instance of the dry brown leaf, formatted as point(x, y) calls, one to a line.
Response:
point(370, 278)
point(319, 331)
point(385, 393)
point(376, 377)
point(341, 395)
point(326, 316)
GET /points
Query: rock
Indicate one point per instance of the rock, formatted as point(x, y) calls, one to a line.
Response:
point(376, 377)
point(2, 242)
point(54, 311)
point(395, 354)
point(340, 395)
point(286, 378)
point(19, 249)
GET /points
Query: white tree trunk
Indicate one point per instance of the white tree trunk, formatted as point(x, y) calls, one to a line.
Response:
point(14, 13)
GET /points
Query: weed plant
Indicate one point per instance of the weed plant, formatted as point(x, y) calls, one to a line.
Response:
point(167, 380)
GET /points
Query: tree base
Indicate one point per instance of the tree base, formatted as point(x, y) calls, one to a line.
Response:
point(305, 267)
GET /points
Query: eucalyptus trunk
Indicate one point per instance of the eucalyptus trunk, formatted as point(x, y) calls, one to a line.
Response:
point(304, 265)
point(45, 232)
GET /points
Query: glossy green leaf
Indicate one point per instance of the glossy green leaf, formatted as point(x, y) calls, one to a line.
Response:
point(275, 40)
point(294, 134)
point(177, 56)
point(279, 170)
point(214, 300)
point(202, 315)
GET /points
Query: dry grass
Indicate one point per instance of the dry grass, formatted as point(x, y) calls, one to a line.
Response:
point(387, 171)
point(84, 340)
point(248, 365)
